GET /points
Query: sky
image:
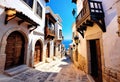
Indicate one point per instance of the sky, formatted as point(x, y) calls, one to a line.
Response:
point(64, 9)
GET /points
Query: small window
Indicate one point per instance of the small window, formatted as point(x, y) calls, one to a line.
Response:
point(29, 2)
point(59, 47)
point(60, 33)
point(51, 25)
point(39, 10)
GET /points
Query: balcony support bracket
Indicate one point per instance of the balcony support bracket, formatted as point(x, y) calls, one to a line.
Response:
point(100, 23)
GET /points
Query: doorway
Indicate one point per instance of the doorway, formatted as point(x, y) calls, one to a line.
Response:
point(48, 50)
point(95, 55)
point(14, 50)
point(37, 53)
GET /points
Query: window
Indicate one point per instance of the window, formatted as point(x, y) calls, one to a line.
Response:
point(51, 25)
point(60, 33)
point(29, 2)
point(39, 10)
point(59, 47)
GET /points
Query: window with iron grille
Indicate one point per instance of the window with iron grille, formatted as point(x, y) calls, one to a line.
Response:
point(39, 10)
point(29, 2)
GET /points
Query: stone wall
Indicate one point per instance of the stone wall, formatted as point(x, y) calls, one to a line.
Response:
point(111, 75)
point(80, 63)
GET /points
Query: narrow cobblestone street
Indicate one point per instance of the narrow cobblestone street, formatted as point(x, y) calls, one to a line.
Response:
point(56, 71)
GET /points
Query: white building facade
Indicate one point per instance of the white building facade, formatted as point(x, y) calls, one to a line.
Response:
point(58, 37)
point(21, 33)
point(49, 34)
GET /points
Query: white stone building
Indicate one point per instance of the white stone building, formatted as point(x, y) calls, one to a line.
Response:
point(49, 34)
point(21, 33)
point(58, 37)
point(53, 35)
point(98, 26)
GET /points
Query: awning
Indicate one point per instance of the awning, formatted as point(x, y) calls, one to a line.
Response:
point(12, 13)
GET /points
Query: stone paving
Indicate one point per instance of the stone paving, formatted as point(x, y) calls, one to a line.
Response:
point(56, 71)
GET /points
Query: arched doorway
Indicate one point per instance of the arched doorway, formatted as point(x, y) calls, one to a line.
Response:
point(14, 50)
point(38, 53)
point(48, 50)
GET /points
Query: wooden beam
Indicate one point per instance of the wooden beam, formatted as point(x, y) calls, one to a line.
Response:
point(29, 26)
point(8, 18)
point(100, 23)
point(20, 22)
point(81, 32)
point(83, 27)
point(89, 23)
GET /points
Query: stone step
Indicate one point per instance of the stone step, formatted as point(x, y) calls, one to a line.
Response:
point(90, 78)
point(39, 64)
point(16, 70)
point(48, 60)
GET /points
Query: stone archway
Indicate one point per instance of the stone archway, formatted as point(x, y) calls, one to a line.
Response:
point(38, 52)
point(14, 50)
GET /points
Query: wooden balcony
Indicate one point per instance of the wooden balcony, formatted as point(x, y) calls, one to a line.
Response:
point(49, 26)
point(92, 12)
point(49, 33)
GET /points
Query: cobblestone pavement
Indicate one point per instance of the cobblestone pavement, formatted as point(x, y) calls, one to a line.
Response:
point(56, 71)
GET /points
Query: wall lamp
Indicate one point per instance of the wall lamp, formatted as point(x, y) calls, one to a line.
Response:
point(76, 38)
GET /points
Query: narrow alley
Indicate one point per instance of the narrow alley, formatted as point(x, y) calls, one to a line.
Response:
point(57, 71)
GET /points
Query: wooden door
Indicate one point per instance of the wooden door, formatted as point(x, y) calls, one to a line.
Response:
point(14, 50)
point(96, 69)
point(54, 50)
point(99, 61)
point(37, 54)
point(48, 50)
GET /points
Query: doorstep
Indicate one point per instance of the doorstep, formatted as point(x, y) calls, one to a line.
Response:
point(39, 64)
point(90, 78)
point(48, 60)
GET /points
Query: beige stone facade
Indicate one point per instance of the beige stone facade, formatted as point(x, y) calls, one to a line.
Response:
point(105, 43)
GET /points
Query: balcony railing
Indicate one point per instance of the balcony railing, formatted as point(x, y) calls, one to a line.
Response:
point(50, 26)
point(91, 12)
point(49, 33)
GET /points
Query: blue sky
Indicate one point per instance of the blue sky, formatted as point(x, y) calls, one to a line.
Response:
point(64, 9)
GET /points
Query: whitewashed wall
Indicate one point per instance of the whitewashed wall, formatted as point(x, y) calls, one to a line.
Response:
point(111, 43)
point(37, 34)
